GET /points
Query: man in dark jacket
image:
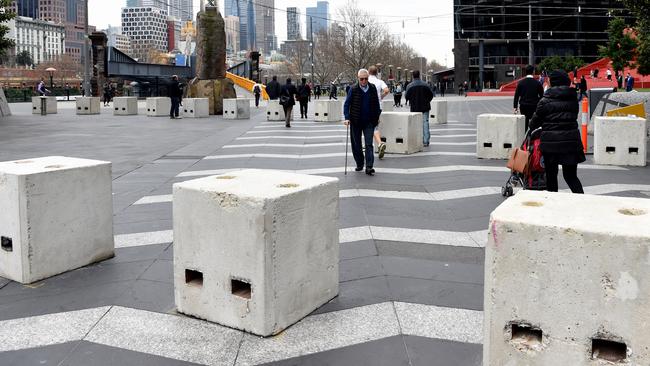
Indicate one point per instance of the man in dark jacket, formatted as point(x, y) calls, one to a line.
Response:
point(529, 92)
point(273, 89)
point(288, 96)
point(583, 88)
point(557, 115)
point(419, 94)
point(333, 91)
point(175, 93)
point(304, 95)
point(362, 112)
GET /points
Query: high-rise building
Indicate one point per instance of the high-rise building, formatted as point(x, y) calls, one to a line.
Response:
point(293, 24)
point(265, 26)
point(232, 33)
point(145, 35)
point(52, 11)
point(161, 4)
point(245, 10)
point(318, 17)
point(181, 9)
point(25, 8)
point(118, 40)
point(43, 40)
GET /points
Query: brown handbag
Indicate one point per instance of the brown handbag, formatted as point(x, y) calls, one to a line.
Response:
point(519, 161)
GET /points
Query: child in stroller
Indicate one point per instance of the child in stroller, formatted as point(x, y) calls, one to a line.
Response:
point(533, 176)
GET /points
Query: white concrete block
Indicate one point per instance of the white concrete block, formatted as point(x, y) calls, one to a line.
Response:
point(438, 112)
point(4, 105)
point(57, 215)
point(620, 141)
point(159, 106)
point(328, 110)
point(562, 270)
point(196, 108)
point(50, 105)
point(387, 105)
point(255, 250)
point(402, 132)
point(275, 111)
point(88, 105)
point(498, 134)
point(236, 108)
point(125, 106)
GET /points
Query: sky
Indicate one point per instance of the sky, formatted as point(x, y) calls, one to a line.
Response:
point(432, 36)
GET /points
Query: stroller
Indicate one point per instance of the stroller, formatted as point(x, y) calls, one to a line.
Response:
point(532, 176)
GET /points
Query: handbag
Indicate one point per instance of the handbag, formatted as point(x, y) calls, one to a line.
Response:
point(519, 161)
point(284, 99)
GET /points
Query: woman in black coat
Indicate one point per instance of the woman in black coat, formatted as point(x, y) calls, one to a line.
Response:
point(288, 95)
point(557, 115)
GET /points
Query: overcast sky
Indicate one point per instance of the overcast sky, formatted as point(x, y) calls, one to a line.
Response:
point(432, 37)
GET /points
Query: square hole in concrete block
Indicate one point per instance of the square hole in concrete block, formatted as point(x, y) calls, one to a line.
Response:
point(399, 140)
point(7, 244)
point(610, 149)
point(383, 139)
point(316, 114)
point(507, 146)
point(240, 288)
point(487, 144)
point(194, 278)
point(324, 114)
point(527, 335)
point(612, 351)
point(633, 150)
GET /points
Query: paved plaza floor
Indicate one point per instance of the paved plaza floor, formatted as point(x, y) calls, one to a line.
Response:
point(412, 243)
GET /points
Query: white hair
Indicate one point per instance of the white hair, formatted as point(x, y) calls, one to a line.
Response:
point(362, 71)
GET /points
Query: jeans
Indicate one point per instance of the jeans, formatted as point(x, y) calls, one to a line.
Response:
point(355, 141)
point(426, 135)
point(176, 102)
point(287, 113)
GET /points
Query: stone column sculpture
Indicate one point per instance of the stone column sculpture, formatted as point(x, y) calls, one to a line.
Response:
point(211, 81)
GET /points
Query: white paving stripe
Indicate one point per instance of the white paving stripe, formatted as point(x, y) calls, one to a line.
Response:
point(332, 155)
point(146, 238)
point(329, 144)
point(279, 137)
point(312, 129)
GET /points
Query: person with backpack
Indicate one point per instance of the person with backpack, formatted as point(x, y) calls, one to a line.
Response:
point(273, 88)
point(257, 90)
point(304, 96)
point(288, 96)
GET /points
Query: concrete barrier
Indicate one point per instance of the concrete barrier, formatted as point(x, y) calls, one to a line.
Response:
point(50, 105)
point(159, 106)
point(328, 111)
point(57, 215)
point(498, 134)
point(4, 105)
point(236, 108)
point(618, 100)
point(387, 105)
point(125, 106)
point(88, 105)
point(438, 112)
point(271, 259)
point(196, 108)
point(620, 141)
point(566, 281)
point(402, 132)
point(274, 111)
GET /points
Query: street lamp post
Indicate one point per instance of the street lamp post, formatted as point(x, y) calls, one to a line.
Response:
point(311, 44)
point(51, 79)
point(86, 52)
point(399, 74)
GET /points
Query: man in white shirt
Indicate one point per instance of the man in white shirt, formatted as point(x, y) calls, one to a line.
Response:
point(382, 91)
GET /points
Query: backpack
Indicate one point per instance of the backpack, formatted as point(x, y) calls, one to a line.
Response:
point(256, 89)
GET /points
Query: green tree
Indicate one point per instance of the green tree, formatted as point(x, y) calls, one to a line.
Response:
point(641, 10)
point(5, 16)
point(568, 63)
point(621, 47)
point(24, 58)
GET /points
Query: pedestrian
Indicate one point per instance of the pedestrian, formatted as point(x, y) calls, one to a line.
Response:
point(557, 115)
point(596, 71)
point(609, 74)
point(288, 96)
point(304, 96)
point(317, 91)
point(382, 91)
point(361, 109)
point(465, 88)
point(443, 88)
point(41, 88)
point(582, 88)
point(434, 89)
point(619, 81)
point(273, 88)
point(107, 94)
point(629, 83)
point(397, 95)
point(528, 93)
point(420, 95)
point(406, 86)
point(257, 91)
point(67, 91)
point(175, 93)
point(333, 91)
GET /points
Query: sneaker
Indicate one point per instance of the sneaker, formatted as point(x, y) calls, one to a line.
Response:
point(358, 169)
point(287, 126)
point(382, 150)
point(370, 171)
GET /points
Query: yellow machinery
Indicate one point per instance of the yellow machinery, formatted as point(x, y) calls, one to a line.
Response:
point(635, 109)
point(246, 84)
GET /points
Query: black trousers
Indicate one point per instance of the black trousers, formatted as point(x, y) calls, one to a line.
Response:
point(176, 102)
point(528, 111)
point(303, 107)
point(257, 100)
point(287, 114)
point(570, 173)
point(357, 145)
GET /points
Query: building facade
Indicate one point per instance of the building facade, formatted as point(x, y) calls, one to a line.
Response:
point(45, 41)
point(146, 27)
point(318, 18)
point(232, 33)
point(245, 11)
point(265, 26)
point(25, 8)
point(293, 24)
point(161, 4)
point(181, 9)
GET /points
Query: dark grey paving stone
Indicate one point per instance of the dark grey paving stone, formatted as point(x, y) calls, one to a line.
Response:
point(439, 293)
point(48, 356)
point(144, 226)
point(431, 251)
point(357, 249)
point(359, 268)
point(168, 254)
point(94, 354)
point(126, 217)
point(358, 293)
point(435, 352)
point(433, 270)
point(384, 352)
point(4, 282)
point(161, 271)
point(137, 254)
point(148, 295)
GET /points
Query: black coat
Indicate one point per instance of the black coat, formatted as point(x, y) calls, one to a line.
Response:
point(528, 93)
point(557, 115)
point(290, 91)
point(174, 90)
point(273, 89)
point(419, 95)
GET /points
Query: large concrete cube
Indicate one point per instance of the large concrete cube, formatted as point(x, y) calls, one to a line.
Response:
point(402, 132)
point(159, 106)
point(50, 105)
point(255, 250)
point(125, 106)
point(387, 105)
point(438, 112)
point(566, 281)
point(88, 105)
point(328, 110)
point(620, 141)
point(196, 107)
point(237, 108)
point(498, 134)
point(57, 215)
point(274, 111)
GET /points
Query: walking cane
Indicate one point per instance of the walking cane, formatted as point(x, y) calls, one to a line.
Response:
point(347, 136)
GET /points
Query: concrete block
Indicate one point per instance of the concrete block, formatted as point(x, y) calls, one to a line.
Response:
point(274, 111)
point(50, 105)
point(159, 106)
point(402, 132)
point(125, 106)
point(328, 111)
point(438, 112)
point(387, 105)
point(88, 105)
point(566, 281)
point(620, 141)
point(498, 134)
point(57, 215)
point(196, 107)
point(255, 250)
point(237, 108)
point(4, 105)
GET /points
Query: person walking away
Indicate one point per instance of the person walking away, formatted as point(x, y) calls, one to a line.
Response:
point(434, 89)
point(273, 89)
point(382, 91)
point(582, 88)
point(397, 94)
point(529, 92)
point(257, 91)
point(304, 94)
point(175, 93)
point(609, 74)
point(288, 96)
point(41, 88)
point(443, 88)
point(361, 110)
point(420, 95)
point(629, 82)
point(317, 91)
point(596, 71)
point(107, 95)
point(333, 91)
point(406, 86)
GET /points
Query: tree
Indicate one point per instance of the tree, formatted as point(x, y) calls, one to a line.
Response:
point(5, 16)
point(621, 47)
point(641, 9)
point(325, 67)
point(568, 63)
point(24, 58)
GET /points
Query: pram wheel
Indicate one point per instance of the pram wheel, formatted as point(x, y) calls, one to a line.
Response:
point(507, 191)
